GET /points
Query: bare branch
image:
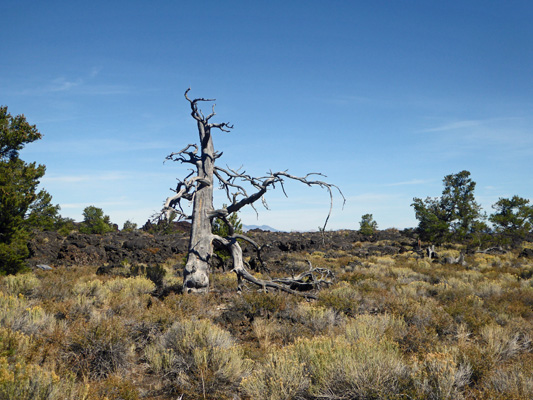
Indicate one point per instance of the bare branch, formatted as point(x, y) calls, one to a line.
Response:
point(197, 114)
point(223, 126)
point(241, 272)
point(185, 190)
point(212, 113)
point(263, 183)
point(241, 189)
point(179, 156)
point(314, 278)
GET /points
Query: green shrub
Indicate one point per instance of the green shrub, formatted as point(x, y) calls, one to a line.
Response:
point(95, 222)
point(375, 327)
point(502, 343)
point(19, 284)
point(259, 304)
point(18, 314)
point(319, 319)
point(23, 381)
point(510, 382)
point(196, 356)
point(439, 377)
point(332, 368)
point(97, 349)
point(365, 369)
point(342, 298)
point(14, 254)
point(129, 226)
point(280, 377)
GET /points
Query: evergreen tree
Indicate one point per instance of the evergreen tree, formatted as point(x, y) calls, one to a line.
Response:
point(94, 221)
point(129, 226)
point(220, 228)
point(454, 215)
point(459, 203)
point(22, 207)
point(513, 218)
point(367, 226)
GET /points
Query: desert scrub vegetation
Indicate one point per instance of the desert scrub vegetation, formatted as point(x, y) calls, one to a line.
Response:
point(392, 327)
point(197, 356)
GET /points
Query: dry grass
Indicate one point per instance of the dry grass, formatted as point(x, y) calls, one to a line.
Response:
point(391, 327)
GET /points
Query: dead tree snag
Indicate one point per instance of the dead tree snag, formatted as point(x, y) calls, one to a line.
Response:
point(241, 190)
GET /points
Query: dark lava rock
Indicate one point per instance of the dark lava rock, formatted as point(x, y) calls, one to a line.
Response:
point(528, 253)
point(140, 247)
point(116, 247)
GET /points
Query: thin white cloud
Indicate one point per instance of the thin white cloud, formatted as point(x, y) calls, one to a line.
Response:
point(100, 204)
point(97, 145)
point(108, 176)
point(472, 123)
point(84, 85)
point(62, 84)
point(372, 198)
point(411, 182)
point(455, 125)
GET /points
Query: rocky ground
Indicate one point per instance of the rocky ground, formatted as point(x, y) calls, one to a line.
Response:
point(140, 247)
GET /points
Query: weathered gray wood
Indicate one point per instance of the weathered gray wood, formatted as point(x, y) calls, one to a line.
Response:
point(198, 188)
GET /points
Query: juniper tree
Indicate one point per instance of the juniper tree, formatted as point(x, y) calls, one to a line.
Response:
point(368, 226)
point(22, 206)
point(241, 190)
point(456, 214)
point(513, 218)
point(95, 222)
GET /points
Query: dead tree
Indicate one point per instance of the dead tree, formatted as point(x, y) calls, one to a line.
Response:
point(455, 260)
point(241, 190)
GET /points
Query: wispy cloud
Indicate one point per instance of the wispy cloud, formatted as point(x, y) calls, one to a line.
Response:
point(411, 182)
point(110, 176)
point(372, 198)
point(470, 123)
point(107, 176)
point(502, 137)
point(63, 84)
point(455, 125)
point(100, 204)
point(100, 146)
point(85, 84)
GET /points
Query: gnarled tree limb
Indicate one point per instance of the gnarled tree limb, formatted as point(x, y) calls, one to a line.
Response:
point(241, 190)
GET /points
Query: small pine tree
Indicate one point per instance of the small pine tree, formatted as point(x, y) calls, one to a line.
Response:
point(513, 219)
point(95, 222)
point(64, 225)
point(367, 225)
point(129, 226)
point(220, 228)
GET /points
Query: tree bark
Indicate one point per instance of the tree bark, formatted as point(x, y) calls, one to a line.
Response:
point(197, 268)
point(199, 190)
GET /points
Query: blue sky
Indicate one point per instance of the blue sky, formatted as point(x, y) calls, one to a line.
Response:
point(383, 97)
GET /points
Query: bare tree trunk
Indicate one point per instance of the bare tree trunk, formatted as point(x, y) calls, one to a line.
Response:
point(196, 271)
point(199, 190)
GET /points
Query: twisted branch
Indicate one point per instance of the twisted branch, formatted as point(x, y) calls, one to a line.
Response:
point(240, 198)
